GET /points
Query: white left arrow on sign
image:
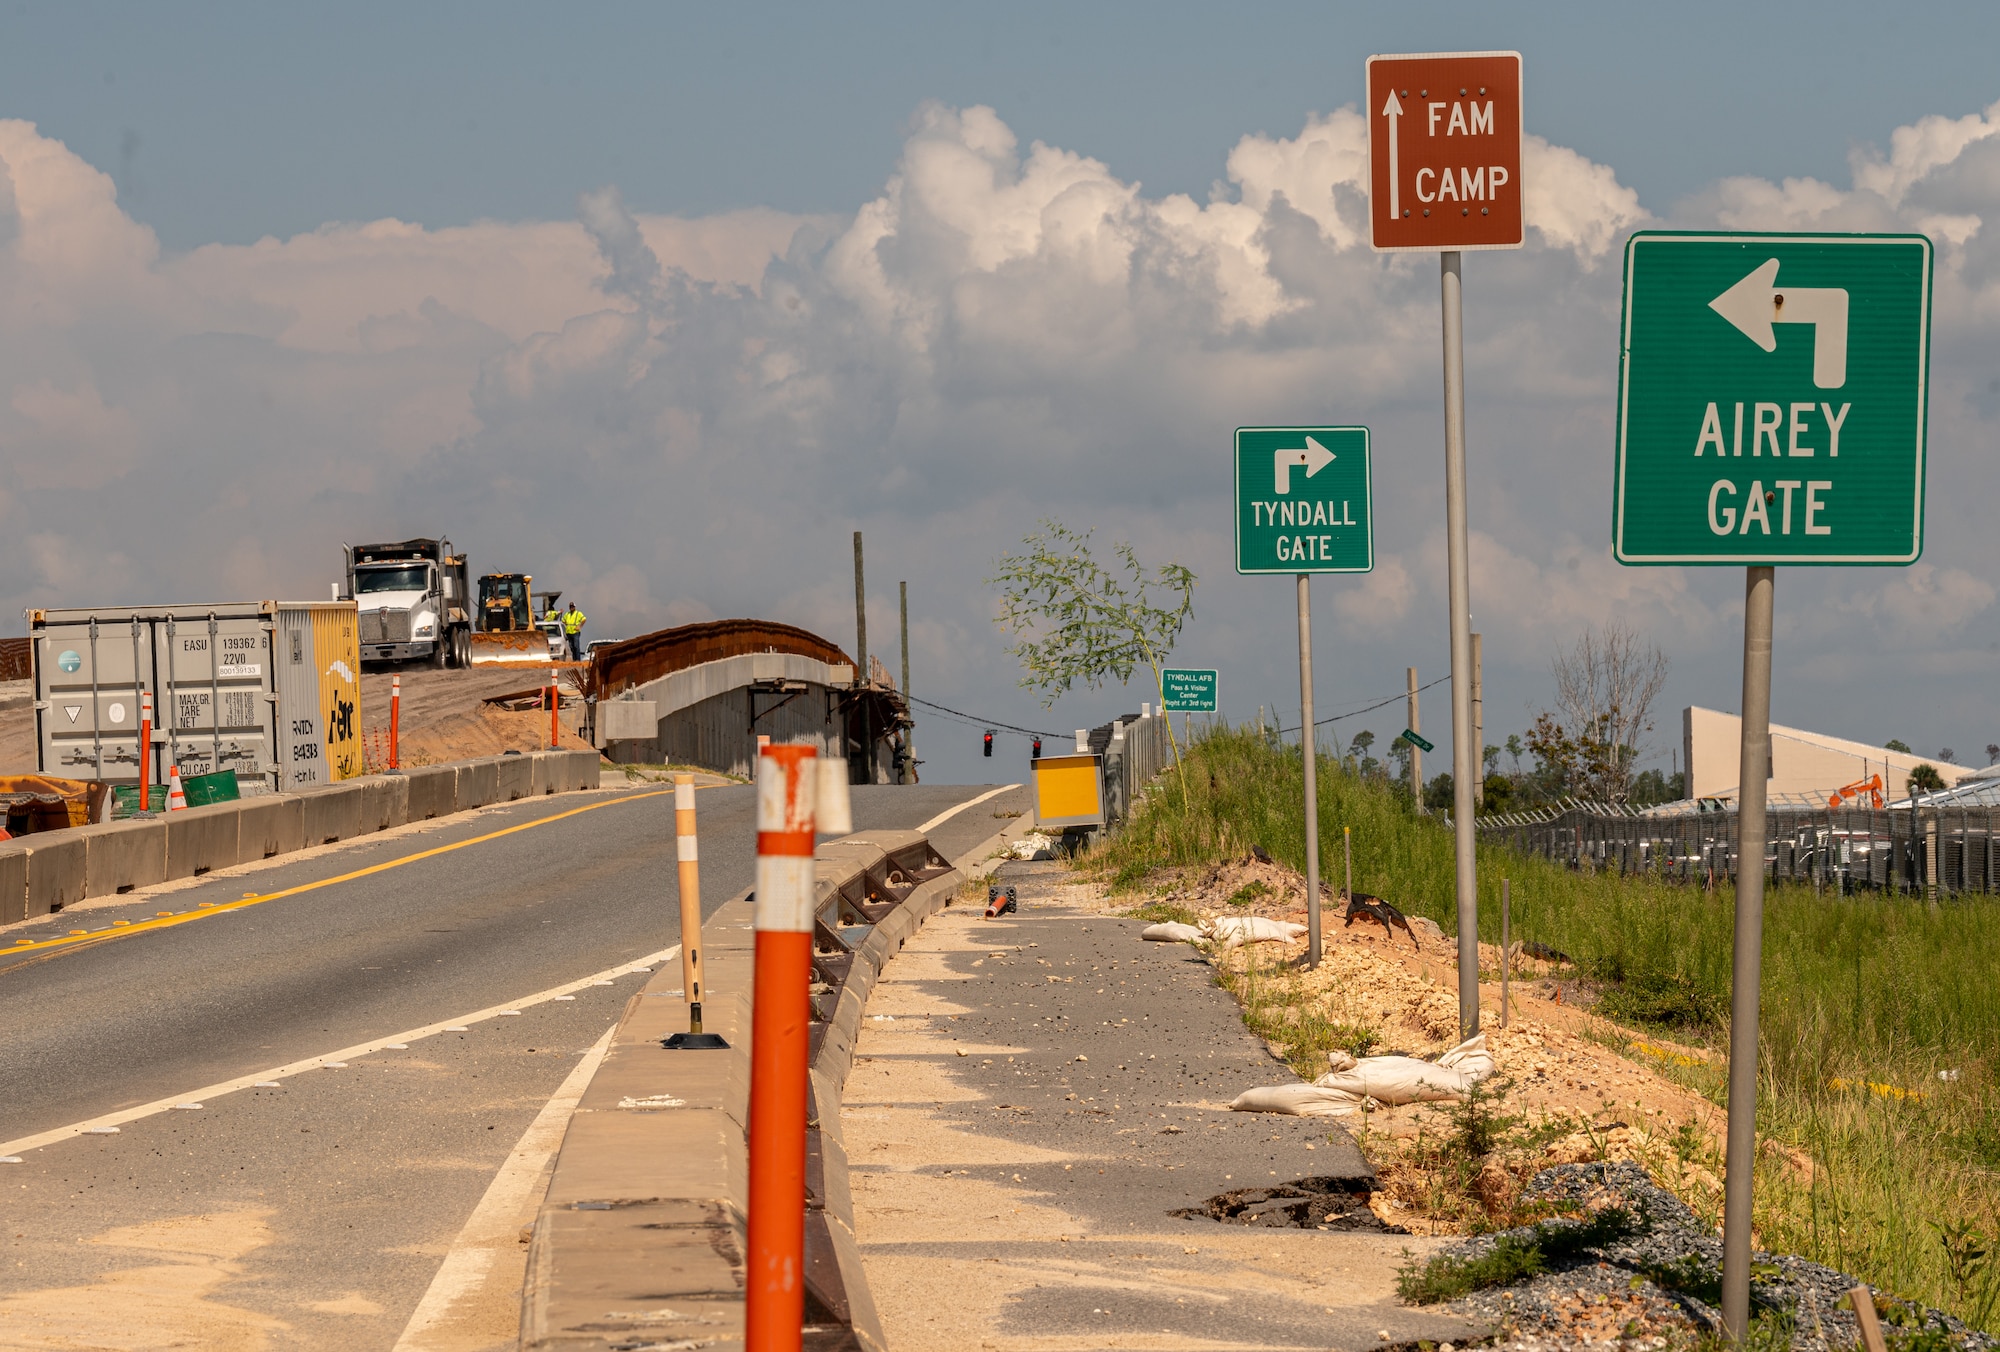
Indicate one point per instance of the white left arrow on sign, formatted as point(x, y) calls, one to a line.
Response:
point(1757, 302)
point(1314, 457)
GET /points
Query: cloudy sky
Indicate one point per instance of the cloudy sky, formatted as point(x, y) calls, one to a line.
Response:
point(661, 305)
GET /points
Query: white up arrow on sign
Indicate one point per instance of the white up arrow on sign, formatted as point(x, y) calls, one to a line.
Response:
point(1314, 457)
point(1754, 304)
point(1392, 110)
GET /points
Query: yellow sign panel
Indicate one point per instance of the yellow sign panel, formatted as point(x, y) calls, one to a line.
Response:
point(337, 651)
point(1069, 791)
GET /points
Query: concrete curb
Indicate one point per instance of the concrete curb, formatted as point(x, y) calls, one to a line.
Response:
point(42, 873)
point(645, 1208)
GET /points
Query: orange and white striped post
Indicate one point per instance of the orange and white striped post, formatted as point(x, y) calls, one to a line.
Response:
point(690, 881)
point(395, 718)
point(555, 710)
point(774, 1307)
point(145, 750)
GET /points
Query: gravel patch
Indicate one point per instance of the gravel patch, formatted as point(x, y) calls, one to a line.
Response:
point(1659, 1285)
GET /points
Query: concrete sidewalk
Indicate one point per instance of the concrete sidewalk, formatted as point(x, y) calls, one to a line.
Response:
point(1034, 1098)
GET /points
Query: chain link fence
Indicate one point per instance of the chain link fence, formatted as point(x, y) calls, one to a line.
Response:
point(1930, 850)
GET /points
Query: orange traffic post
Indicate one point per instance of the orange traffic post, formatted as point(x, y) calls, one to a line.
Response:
point(145, 750)
point(395, 718)
point(690, 888)
point(555, 710)
point(774, 1306)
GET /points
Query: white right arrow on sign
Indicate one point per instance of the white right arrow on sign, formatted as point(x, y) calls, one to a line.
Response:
point(1754, 304)
point(1313, 458)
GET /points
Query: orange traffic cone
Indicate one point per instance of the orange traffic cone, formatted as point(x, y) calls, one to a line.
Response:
point(176, 799)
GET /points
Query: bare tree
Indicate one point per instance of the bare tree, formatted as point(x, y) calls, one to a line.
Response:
point(1605, 686)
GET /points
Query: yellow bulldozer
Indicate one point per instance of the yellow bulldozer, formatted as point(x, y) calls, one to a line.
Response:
point(509, 629)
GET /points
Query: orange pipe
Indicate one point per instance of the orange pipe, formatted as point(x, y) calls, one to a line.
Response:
point(774, 1308)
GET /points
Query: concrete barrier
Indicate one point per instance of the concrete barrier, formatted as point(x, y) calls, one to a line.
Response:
point(270, 824)
point(332, 813)
point(119, 856)
point(57, 862)
point(432, 791)
point(514, 777)
point(204, 838)
point(385, 801)
point(45, 872)
point(478, 783)
point(13, 884)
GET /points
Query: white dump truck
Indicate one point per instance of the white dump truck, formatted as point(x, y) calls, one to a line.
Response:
point(412, 602)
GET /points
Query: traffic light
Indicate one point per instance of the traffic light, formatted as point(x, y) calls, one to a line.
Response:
point(989, 743)
point(1037, 753)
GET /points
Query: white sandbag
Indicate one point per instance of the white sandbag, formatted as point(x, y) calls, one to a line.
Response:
point(1231, 930)
point(1172, 932)
point(1035, 843)
point(1380, 1079)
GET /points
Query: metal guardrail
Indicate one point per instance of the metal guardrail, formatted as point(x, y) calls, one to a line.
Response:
point(1135, 750)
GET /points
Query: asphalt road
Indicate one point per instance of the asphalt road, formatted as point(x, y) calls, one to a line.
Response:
point(315, 1212)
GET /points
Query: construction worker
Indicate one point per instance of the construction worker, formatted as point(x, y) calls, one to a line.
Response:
point(573, 621)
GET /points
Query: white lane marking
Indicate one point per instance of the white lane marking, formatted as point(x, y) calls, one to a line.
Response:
point(110, 1122)
point(489, 1231)
point(946, 816)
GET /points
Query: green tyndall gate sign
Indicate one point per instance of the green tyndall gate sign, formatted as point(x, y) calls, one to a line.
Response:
point(1303, 500)
point(1771, 399)
point(1189, 690)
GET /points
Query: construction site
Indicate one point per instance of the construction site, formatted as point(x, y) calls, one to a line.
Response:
point(116, 711)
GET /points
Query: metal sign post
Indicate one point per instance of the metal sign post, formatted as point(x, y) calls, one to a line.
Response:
point(1736, 348)
point(1304, 505)
point(1309, 753)
point(1444, 150)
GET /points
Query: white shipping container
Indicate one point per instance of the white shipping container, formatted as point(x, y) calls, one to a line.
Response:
point(268, 689)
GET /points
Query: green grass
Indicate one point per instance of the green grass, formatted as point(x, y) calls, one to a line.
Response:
point(1513, 1257)
point(1866, 1000)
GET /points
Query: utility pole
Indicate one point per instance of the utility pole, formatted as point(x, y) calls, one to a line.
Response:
point(1416, 752)
point(909, 738)
point(1478, 726)
point(861, 681)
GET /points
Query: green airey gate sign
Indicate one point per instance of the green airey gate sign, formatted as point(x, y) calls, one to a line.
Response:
point(1771, 400)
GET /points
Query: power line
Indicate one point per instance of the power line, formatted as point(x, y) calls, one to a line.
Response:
point(978, 722)
point(1356, 713)
point(998, 726)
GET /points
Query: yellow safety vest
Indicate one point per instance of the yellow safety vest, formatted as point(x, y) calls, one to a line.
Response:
point(572, 621)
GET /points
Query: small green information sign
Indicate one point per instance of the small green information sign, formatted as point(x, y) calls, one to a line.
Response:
point(1303, 500)
point(1771, 399)
point(1414, 740)
point(1187, 690)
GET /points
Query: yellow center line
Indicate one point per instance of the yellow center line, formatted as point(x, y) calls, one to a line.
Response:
point(219, 908)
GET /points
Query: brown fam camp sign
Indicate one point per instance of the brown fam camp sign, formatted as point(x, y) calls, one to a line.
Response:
point(1444, 151)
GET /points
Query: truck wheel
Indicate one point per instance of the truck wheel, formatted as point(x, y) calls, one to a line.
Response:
point(463, 643)
point(440, 652)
